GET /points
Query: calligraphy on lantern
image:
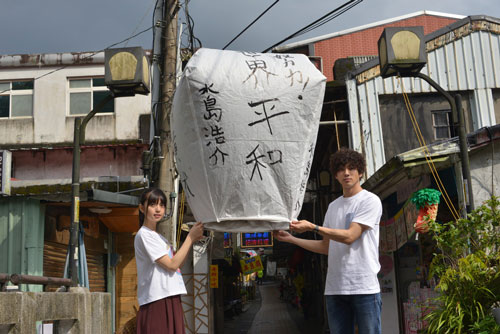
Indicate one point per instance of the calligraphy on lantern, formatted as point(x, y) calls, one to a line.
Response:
point(213, 129)
point(266, 114)
point(303, 183)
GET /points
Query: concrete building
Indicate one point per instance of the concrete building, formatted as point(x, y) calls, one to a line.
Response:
point(362, 40)
point(367, 113)
point(40, 97)
point(462, 57)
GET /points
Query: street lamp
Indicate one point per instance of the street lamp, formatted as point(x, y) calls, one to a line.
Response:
point(126, 74)
point(402, 52)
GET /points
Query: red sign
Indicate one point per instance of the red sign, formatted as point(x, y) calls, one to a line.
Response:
point(214, 276)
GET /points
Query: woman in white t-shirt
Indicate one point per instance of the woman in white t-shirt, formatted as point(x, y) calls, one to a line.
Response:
point(159, 279)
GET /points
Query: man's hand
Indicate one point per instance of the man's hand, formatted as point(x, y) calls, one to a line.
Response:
point(301, 226)
point(283, 236)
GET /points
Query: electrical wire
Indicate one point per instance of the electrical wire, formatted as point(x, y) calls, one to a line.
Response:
point(319, 22)
point(190, 24)
point(181, 218)
point(87, 57)
point(326, 20)
point(153, 24)
point(428, 156)
point(248, 26)
point(154, 2)
point(336, 128)
point(192, 42)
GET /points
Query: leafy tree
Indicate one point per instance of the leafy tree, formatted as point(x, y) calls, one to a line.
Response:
point(468, 271)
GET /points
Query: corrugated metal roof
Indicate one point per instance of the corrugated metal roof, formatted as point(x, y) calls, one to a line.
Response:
point(360, 60)
point(439, 152)
point(447, 35)
point(467, 59)
point(54, 59)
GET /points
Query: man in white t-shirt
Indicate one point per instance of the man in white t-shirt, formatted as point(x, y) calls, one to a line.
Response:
point(350, 239)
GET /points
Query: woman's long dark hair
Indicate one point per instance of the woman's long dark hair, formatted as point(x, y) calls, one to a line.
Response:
point(151, 196)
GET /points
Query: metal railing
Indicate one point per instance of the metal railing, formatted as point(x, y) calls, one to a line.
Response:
point(4, 279)
point(17, 279)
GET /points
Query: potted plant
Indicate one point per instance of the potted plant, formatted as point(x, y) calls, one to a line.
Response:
point(468, 271)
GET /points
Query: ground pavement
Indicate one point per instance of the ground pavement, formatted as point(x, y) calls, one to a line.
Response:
point(268, 314)
point(273, 316)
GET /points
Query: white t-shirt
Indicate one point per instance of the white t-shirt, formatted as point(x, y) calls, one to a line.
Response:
point(153, 281)
point(352, 269)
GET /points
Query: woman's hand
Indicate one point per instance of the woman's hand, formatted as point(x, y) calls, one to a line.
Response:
point(196, 232)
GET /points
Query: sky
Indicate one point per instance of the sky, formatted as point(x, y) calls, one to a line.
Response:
point(52, 26)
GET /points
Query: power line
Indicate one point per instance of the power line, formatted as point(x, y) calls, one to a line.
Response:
point(144, 16)
point(258, 17)
point(319, 22)
point(192, 40)
point(87, 57)
point(326, 20)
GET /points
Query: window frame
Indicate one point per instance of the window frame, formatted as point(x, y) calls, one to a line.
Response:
point(92, 89)
point(447, 112)
point(18, 92)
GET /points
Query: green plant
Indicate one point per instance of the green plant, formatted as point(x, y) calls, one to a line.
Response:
point(468, 271)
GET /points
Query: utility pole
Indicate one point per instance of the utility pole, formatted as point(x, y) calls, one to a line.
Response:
point(166, 179)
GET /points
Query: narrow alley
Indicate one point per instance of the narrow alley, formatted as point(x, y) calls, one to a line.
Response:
point(268, 314)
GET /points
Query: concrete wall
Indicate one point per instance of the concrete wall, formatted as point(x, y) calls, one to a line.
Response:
point(95, 161)
point(51, 122)
point(77, 311)
point(496, 101)
point(485, 173)
point(390, 322)
point(397, 129)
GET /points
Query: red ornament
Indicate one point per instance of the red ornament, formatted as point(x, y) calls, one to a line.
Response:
point(425, 214)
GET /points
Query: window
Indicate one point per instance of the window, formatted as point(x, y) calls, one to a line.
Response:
point(16, 98)
point(85, 94)
point(441, 123)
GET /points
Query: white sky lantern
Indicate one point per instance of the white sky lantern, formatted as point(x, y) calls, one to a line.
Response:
point(244, 127)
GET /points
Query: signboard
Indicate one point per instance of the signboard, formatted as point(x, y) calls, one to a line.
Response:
point(257, 239)
point(228, 242)
point(251, 265)
point(214, 276)
point(5, 172)
point(244, 137)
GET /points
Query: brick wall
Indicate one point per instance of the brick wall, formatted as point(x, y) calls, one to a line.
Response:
point(364, 42)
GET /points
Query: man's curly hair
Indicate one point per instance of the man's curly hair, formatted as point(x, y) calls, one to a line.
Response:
point(346, 157)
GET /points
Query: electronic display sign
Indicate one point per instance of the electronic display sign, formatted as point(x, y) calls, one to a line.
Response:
point(257, 239)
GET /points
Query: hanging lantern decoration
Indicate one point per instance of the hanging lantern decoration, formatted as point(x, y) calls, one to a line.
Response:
point(244, 127)
point(426, 200)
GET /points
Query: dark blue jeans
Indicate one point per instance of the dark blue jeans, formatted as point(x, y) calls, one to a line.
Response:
point(346, 310)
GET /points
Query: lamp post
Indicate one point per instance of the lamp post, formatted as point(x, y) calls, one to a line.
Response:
point(402, 52)
point(126, 74)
